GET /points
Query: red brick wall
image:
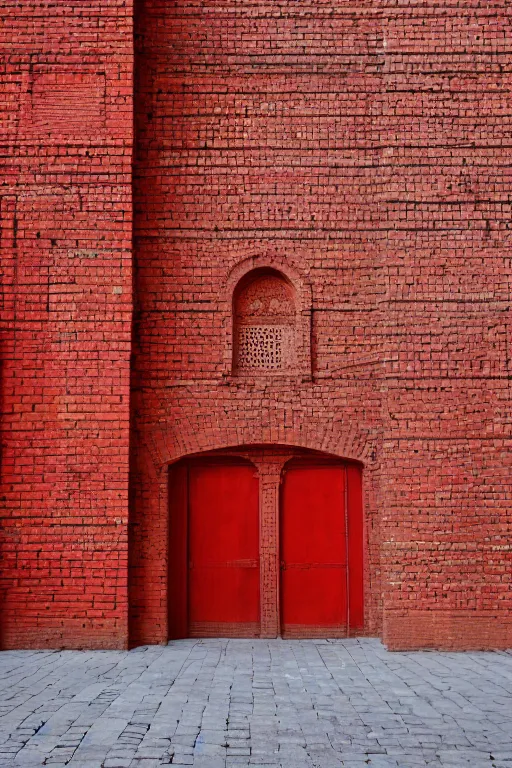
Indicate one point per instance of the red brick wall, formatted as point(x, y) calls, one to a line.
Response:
point(256, 147)
point(446, 457)
point(66, 228)
point(361, 150)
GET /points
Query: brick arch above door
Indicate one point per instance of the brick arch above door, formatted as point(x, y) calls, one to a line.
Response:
point(167, 443)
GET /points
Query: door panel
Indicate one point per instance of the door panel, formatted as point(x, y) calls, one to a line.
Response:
point(313, 551)
point(223, 545)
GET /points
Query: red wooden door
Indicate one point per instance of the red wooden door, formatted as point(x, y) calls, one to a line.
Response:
point(223, 550)
point(314, 552)
point(214, 570)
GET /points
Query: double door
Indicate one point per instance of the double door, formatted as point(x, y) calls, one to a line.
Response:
point(217, 585)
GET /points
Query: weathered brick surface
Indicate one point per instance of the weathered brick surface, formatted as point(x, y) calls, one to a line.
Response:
point(366, 149)
point(65, 200)
point(446, 455)
point(360, 150)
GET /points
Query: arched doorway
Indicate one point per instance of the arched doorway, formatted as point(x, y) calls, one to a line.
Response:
point(264, 542)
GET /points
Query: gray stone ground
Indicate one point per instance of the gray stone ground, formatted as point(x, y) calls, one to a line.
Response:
point(234, 703)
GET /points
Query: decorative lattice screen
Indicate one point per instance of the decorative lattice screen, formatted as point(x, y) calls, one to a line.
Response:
point(264, 326)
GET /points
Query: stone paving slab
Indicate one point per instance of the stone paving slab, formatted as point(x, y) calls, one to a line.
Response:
point(244, 703)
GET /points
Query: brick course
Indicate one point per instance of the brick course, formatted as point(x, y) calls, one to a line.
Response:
point(361, 151)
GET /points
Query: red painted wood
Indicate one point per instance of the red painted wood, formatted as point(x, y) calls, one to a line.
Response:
point(224, 576)
point(356, 546)
point(313, 549)
point(178, 567)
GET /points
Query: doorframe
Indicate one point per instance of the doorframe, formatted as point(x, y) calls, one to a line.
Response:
point(270, 465)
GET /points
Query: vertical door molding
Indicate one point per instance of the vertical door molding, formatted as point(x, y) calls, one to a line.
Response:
point(269, 470)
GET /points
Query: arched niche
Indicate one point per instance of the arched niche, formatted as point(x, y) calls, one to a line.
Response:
point(263, 278)
point(265, 325)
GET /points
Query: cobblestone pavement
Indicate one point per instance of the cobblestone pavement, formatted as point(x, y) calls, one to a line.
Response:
point(234, 703)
